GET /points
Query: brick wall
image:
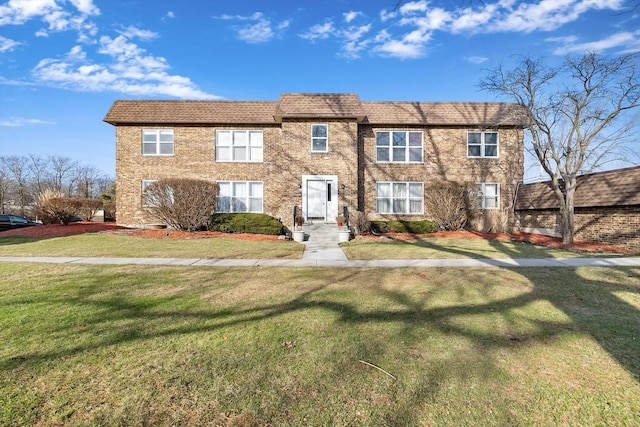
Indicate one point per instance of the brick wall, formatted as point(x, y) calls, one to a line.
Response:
point(445, 159)
point(287, 157)
point(618, 226)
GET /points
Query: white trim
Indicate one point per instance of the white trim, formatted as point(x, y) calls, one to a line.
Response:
point(407, 147)
point(482, 144)
point(157, 142)
point(482, 186)
point(407, 198)
point(326, 147)
point(247, 148)
point(331, 207)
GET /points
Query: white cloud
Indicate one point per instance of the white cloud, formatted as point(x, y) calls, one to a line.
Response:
point(400, 49)
point(133, 32)
point(320, 31)
point(7, 45)
point(476, 59)
point(261, 30)
point(19, 122)
point(350, 16)
point(130, 70)
point(625, 41)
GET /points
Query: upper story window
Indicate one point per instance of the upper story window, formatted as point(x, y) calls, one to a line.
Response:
point(319, 138)
point(482, 144)
point(239, 146)
point(490, 195)
point(400, 197)
point(399, 146)
point(157, 142)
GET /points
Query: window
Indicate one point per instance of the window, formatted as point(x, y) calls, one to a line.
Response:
point(398, 146)
point(157, 142)
point(490, 194)
point(400, 197)
point(239, 196)
point(482, 144)
point(239, 146)
point(319, 138)
point(145, 184)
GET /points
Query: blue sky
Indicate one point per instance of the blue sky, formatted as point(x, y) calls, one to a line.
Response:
point(63, 62)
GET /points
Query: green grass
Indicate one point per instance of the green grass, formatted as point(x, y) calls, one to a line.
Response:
point(131, 345)
point(438, 247)
point(97, 245)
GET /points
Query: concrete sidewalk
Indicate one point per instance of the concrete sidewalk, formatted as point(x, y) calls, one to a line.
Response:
point(505, 262)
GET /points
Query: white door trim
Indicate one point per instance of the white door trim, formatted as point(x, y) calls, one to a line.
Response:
point(331, 208)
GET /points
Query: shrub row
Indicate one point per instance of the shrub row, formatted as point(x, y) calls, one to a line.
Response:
point(413, 227)
point(245, 223)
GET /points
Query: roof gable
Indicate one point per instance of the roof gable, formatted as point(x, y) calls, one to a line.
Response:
point(319, 105)
point(620, 187)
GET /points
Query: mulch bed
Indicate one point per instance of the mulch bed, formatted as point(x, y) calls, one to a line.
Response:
point(45, 231)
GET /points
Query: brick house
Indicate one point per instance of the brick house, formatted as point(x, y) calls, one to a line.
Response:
point(320, 153)
point(606, 208)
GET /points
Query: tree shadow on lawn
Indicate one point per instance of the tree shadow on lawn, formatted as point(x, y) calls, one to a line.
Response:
point(591, 306)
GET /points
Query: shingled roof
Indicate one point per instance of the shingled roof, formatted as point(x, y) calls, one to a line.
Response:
point(314, 105)
point(319, 105)
point(190, 112)
point(620, 187)
point(444, 113)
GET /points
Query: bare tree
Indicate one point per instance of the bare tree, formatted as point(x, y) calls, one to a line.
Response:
point(577, 116)
point(86, 179)
point(38, 167)
point(5, 184)
point(63, 173)
point(17, 168)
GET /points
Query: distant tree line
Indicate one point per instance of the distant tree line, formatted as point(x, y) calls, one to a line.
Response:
point(24, 178)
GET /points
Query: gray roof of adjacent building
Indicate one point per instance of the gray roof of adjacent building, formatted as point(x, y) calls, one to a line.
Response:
point(329, 106)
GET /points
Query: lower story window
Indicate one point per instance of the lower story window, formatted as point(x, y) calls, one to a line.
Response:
point(239, 196)
point(490, 195)
point(400, 197)
point(146, 203)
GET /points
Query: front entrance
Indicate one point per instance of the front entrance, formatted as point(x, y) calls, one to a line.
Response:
point(320, 197)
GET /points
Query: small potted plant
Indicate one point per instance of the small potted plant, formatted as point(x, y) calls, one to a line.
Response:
point(298, 234)
point(340, 220)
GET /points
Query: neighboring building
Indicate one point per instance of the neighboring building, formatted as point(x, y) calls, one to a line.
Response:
point(606, 208)
point(320, 153)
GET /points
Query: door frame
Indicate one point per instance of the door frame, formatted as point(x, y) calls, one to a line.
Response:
point(331, 207)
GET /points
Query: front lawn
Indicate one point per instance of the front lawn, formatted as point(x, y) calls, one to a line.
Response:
point(444, 247)
point(111, 245)
point(132, 345)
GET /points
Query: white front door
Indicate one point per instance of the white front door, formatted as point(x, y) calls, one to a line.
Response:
point(320, 197)
point(317, 199)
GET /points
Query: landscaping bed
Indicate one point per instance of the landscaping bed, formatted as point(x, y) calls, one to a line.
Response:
point(46, 231)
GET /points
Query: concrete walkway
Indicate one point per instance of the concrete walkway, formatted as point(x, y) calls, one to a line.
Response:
point(321, 243)
point(322, 250)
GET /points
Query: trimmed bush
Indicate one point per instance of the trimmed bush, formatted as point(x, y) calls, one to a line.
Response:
point(59, 210)
point(245, 223)
point(181, 203)
point(452, 204)
point(412, 227)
